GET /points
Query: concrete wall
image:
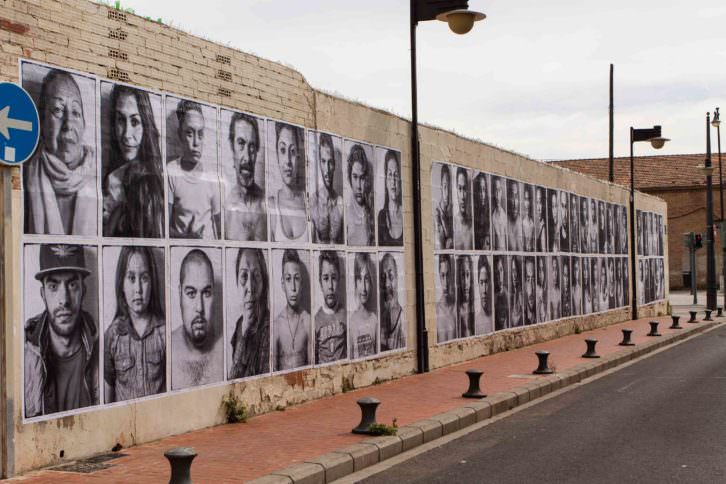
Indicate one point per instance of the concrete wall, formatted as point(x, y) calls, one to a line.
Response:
point(88, 37)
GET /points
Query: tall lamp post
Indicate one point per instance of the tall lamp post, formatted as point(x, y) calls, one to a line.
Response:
point(716, 123)
point(652, 135)
point(710, 253)
point(460, 20)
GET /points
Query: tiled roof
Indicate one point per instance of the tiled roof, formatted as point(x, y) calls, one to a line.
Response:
point(651, 172)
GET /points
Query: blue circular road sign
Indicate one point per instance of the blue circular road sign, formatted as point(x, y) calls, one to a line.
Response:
point(19, 124)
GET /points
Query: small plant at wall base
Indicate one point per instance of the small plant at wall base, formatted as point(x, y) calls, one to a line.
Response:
point(234, 408)
point(383, 429)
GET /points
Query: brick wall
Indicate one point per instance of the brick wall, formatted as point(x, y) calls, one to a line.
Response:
point(92, 38)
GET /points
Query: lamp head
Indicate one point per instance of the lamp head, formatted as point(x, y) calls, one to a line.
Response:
point(716, 121)
point(461, 21)
point(658, 142)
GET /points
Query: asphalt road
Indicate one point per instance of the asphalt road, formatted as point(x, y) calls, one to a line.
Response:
point(661, 420)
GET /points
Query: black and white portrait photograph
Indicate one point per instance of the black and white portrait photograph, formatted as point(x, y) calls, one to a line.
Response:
point(586, 286)
point(611, 283)
point(574, 223)
point(527, 211)
point(576, 278)
point(649, 233)
point(514, 217)
point(501, 292)
point(610, 229)
point(292, 343)
point(59, 180)
point(325, 188)
point(463, 230)
point(603, 285)
point(192, 170)
point(584, 225)
point(500, 222)
point(516, 304)
point(392, 296)
point(286, 182)
point(483, 314)
point(593, 228)
point(555, 288)
point(360, 193)
point(389, 197)
point(132, 172)
point(134, 315)
point(625, 282)
point(659, 279)
point(530, 295)
point(618, 282)
point(61, 342)
point(242, 143)
point(464, 296)
point(564, 234)
point(331, 319)
point(639, 231)
point(482, 214)
point(565, 286)
point(540, 219)
point(247, 294)
point(446, 329)
point(442, 209)
point(362, 295)
point(553, 220)
point(622, 229)
point(595, 287)
point(602, 228)
point(197, 342)
point(542, 290)
point(661, 231)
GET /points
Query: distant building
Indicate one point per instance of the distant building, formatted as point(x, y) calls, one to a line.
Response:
point(677, 180)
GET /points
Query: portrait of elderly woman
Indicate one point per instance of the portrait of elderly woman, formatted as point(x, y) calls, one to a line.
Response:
point(133, 184)
point(135, 340)
point(286, 202)
point(390, 217)
point(359, 208)
point(251, 333)
point(60, 179)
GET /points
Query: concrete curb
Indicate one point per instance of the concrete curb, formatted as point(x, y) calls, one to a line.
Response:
point(342, 462)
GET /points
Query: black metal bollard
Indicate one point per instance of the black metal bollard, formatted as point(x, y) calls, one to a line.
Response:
point(180, 459)
point(368, 406)
point(693, 316)
point(719, 312)
point(675, 324)
point(591, 353)
point(708, 315)
point(542, 368)
point(653, 329)
point(627, 333)
point(474, 390)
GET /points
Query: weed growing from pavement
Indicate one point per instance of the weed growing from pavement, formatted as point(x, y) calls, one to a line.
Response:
point(234, 408)
point(383, 429)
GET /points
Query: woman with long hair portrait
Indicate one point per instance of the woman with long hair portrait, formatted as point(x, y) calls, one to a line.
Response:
point(390, 217)
point(135, 341)
point(133, 195)
point(288, 215)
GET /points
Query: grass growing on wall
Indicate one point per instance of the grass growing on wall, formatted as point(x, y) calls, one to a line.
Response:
point(118, 6)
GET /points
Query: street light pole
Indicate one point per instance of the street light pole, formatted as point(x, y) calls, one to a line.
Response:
point(710, 253)
point(716, 122)
point(652, 135)
point(460, 20)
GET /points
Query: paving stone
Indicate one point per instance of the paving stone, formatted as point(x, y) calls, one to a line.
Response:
point(431, 429)
point(388, 446)
point(482, 409)
point(336, 465)
point(363, 455)
point(449, 422)
point(410, 437)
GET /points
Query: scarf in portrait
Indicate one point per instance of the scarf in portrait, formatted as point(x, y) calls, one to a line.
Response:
point(48, 176)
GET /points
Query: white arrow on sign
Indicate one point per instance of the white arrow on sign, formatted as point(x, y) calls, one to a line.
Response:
point(7, 123)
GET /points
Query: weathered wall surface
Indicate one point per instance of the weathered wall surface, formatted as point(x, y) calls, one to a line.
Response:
point(88, 37)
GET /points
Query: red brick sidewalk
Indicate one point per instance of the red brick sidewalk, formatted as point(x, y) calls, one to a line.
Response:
point(241, 452)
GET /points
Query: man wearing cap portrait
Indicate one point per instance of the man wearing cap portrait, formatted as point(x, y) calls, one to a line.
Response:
point(61, 343)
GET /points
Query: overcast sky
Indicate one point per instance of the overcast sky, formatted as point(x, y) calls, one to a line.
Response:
point(532, 77)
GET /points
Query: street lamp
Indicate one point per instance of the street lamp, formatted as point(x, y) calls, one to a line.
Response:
point(653, 136)
point(460, 20)
point(716, 123)
point(710, 254)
